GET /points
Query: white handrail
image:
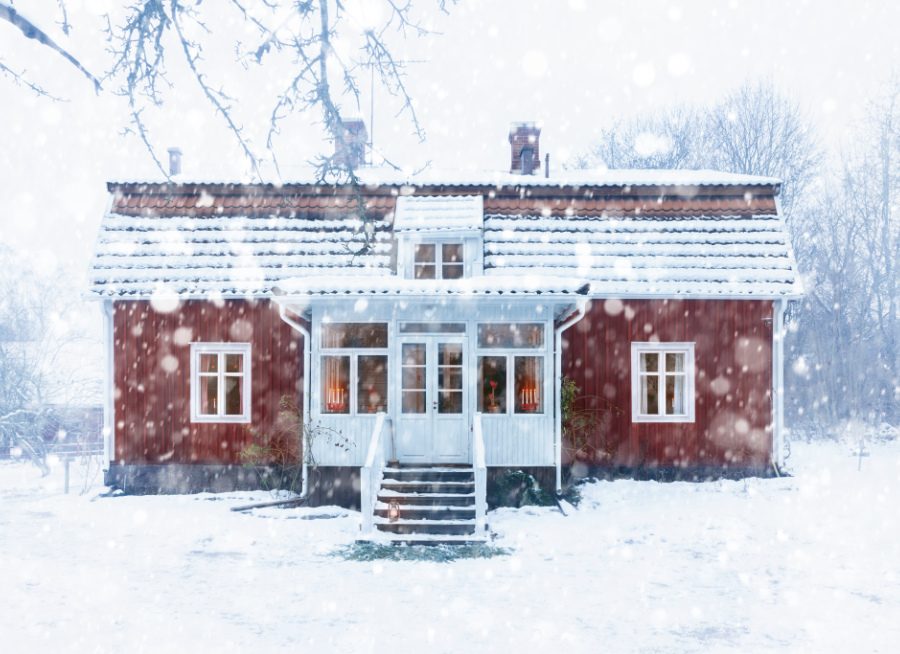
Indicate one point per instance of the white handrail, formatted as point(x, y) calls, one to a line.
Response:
point(480, 467)
point(372, 473)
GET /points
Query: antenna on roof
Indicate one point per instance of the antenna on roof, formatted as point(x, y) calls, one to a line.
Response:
point(174, 161)
point(372, 116)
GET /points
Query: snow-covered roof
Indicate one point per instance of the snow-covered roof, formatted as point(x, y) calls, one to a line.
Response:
point(699, 256)
point(592, 177)
point(380, 176)
point(140, 256)
point(457, 213)
point(528, 284)
point(727, 241)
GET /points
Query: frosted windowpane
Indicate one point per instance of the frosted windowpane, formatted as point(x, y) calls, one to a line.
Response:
point(450, 402)
point(372, 386)
point(336, 384)
point(413, 402)
point(675, 395)
point(649, 394)
point(492, 384)
point(233, 404)
point(209, 362)
point(529, 375)
point(649, 361)
point(425, 253)
point(209, 395)
point(675, 362)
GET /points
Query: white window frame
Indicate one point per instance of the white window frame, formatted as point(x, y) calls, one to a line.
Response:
point(439, 257)
point(246, 382)
point(690, 398)
point(354, 353)
point(510, 354)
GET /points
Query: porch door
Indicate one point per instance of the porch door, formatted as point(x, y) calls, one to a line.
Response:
point(433, 423)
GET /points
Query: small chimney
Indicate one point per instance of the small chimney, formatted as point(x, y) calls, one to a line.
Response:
point(350, 151)
point(174, 162)
point(525, 142)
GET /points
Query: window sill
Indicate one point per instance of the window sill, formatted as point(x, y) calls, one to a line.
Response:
point(662, 419)
point(245, 420)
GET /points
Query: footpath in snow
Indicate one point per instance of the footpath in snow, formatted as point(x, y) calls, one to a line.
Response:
point(803, 564)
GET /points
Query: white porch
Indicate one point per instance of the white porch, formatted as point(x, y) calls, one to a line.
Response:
point(446, 357)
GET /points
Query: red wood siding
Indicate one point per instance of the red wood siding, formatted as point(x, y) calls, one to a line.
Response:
point(733, 360)
point(152, 377)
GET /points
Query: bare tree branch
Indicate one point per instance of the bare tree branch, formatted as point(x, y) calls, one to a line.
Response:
point(32, 31)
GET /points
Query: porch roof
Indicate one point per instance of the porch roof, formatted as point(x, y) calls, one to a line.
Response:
point(530, 284)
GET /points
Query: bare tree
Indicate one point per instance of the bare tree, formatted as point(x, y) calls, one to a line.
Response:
point(753, 130)
point(154, 37)
point(756, 130)
point(30, 30)
point(33, 374)
point(673, 139)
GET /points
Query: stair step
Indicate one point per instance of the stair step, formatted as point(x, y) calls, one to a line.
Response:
point(411, 468)
point(427, 499)
point(430, 527)
point(435, 512)
point(446, 487)
point(424, 539)
point(436, 474)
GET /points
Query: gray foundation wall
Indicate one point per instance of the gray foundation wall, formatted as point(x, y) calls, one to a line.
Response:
point(327, 486)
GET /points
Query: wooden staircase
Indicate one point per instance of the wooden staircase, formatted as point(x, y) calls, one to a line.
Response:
point(434, 504)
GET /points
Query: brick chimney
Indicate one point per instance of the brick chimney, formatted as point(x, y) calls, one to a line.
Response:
point(351, 150)
point(525, 142)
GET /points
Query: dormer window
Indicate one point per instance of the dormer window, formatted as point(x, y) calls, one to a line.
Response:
point(438, 261)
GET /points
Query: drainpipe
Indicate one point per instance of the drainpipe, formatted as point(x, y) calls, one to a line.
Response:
point(307, 358)
point(109, 389)
point(779, 307)
point(580, 311)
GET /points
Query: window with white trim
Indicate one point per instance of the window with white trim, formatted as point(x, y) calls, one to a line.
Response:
point(220, 382)
point(438, 261)
point(354, 368)
point(662, 382)
point(510, 379)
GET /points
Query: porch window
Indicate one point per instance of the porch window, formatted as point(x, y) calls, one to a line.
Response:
point(662, 382)
point(372, 383)
point(336, 384)
point(529, 392)
point(511, 335)
point(438, 261)
point(354, 368)
point(510, 379)
point(355, 335)
point(220, 382)
point(492, 384)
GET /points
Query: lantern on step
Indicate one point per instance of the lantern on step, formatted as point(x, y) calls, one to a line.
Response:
point(394, 511)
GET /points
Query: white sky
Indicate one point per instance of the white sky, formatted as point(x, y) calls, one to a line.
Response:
point(574, 65)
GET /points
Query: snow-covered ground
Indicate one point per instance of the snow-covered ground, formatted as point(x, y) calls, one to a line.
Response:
point(805, 564)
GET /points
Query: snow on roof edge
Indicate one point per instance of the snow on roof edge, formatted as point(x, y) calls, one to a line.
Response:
point(576, 178)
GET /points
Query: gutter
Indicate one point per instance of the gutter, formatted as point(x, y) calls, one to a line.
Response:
point(779, 309)
point(109, 407)
point(307, 378)
point(580, 311)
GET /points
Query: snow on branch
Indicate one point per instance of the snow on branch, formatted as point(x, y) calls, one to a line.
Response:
point(31, 31)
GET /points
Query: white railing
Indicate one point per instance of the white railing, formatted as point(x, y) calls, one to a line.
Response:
point(480, 475)
point(372, 473)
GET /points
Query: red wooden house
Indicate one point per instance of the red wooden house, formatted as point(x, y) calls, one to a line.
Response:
point(435, 326)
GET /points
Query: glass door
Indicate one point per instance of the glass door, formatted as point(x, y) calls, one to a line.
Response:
point(432, 426)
